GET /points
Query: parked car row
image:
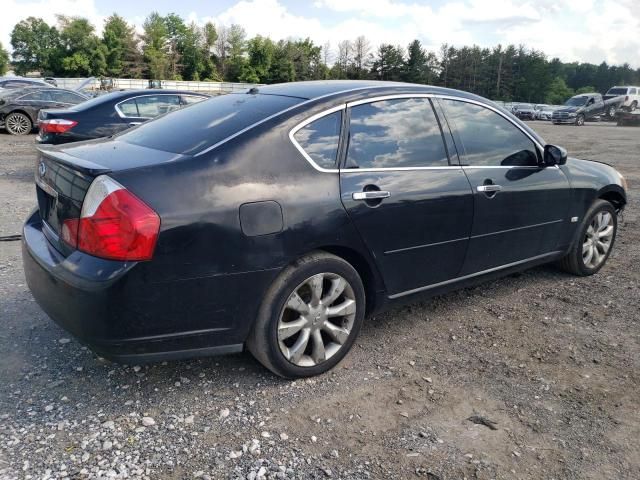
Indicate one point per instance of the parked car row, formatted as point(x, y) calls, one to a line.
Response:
point(63, 115)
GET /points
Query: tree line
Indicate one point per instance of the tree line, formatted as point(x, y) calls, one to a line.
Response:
point(169, 48)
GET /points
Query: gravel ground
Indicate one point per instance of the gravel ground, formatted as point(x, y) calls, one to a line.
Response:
point(552, 359)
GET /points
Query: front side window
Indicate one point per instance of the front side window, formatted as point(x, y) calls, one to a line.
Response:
point(319, 139)
point(398, 133)
point(632, 91)
point(489, 139)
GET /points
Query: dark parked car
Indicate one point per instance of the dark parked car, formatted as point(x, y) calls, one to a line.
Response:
point(279, 218)
point(586, 106)
point(524, 111)
point(109, 114)
point(21, 82)
point(19, 108)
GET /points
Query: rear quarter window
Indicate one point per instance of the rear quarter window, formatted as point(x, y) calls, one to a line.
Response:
point(191, 130)
point(319, 139)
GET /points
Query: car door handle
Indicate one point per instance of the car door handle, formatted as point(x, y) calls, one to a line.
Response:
point(133, 124)
point(371, 195)
point(489, 188)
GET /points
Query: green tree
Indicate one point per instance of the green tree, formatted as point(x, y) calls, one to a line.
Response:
point(4, 60)
point(177, 33)
point(419, 65)
point(156, 46)
point(83, 54)
point(209, 38)
point(558, 92)
point(122, 55)
point(236, 47)
point(260, 51)
point(388, 63)
point(35, 46)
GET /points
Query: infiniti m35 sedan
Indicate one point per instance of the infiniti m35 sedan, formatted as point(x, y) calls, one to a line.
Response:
point(278, 219)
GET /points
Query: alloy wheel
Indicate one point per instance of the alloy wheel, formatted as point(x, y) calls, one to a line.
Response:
point(597, 241)
point(18, 124)
point(316, 320)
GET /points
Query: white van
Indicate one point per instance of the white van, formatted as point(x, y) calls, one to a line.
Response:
point(631, 96)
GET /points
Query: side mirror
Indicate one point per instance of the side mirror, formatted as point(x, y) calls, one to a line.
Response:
point(554, 155)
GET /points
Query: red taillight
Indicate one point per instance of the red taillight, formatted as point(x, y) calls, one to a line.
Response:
point(56, 125)
point(114, 224)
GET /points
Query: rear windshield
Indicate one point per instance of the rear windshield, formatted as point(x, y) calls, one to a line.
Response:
point(617, 91)
point(202, 125)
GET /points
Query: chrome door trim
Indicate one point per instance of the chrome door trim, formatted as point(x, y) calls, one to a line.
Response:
point(476, 274)
point(382, 98)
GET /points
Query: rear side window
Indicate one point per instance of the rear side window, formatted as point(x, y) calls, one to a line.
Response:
point(37, 96)
point(319, 139)
point(67, 97)
point(399, 133)
point(129, 108)
point(152, 106)
point(489, 139)
point(206, 123)
point(632, 91)
point(189, 99)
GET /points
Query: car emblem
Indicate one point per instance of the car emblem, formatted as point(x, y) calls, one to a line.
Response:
point(42, 169)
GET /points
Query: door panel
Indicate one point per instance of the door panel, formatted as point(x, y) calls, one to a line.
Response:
point(519, 206)
point(419, 234)
point(522, 220)
point(418, 224)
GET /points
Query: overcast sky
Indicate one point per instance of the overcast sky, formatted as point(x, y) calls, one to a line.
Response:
point(582, 30)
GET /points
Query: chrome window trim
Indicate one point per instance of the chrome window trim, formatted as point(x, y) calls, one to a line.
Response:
point(303, 124)
point(122, 115)
point(394, 97)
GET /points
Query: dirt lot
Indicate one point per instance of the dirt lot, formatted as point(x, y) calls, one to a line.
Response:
point(552, 359)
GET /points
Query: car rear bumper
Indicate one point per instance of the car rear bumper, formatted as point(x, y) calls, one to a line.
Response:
point(120, 313)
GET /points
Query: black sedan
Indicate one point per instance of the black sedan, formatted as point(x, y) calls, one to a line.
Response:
point(109, 114)
point(19, 108)
point(279, 218)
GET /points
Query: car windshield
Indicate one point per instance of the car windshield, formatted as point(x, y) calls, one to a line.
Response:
point(206, 123)
point(576, 101)
point(617, 91)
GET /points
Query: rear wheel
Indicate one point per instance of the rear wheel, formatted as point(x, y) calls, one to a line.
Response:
point(310, 317)
point(18, 123)
point(633, 106)
point(594, 242)
point(580, 120)
point(611, 112)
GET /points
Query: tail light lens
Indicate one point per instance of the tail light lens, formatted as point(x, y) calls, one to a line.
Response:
point(113, 224)
point(56, 125)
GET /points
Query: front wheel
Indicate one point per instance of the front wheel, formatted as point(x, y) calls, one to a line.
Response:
point(310, 317)
point(18, 123)
point(580, 120)
point(594, 242)
point(633, 106)
point(611, 113)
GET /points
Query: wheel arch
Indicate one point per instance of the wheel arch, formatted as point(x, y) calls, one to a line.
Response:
point(371, 279)
point(615, 195)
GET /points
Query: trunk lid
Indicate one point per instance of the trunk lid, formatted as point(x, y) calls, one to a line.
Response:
point(63, 176)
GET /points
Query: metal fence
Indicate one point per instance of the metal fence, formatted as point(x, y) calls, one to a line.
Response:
point(135, 84)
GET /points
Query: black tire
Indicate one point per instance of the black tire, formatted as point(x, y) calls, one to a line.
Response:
point(633, 106)
point(573, 262)
point(18, 123)
point(580, 120)
point(263, 340)
point(611, 113)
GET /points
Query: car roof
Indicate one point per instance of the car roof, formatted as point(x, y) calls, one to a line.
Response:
point(315, 89)
point(151, 91)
